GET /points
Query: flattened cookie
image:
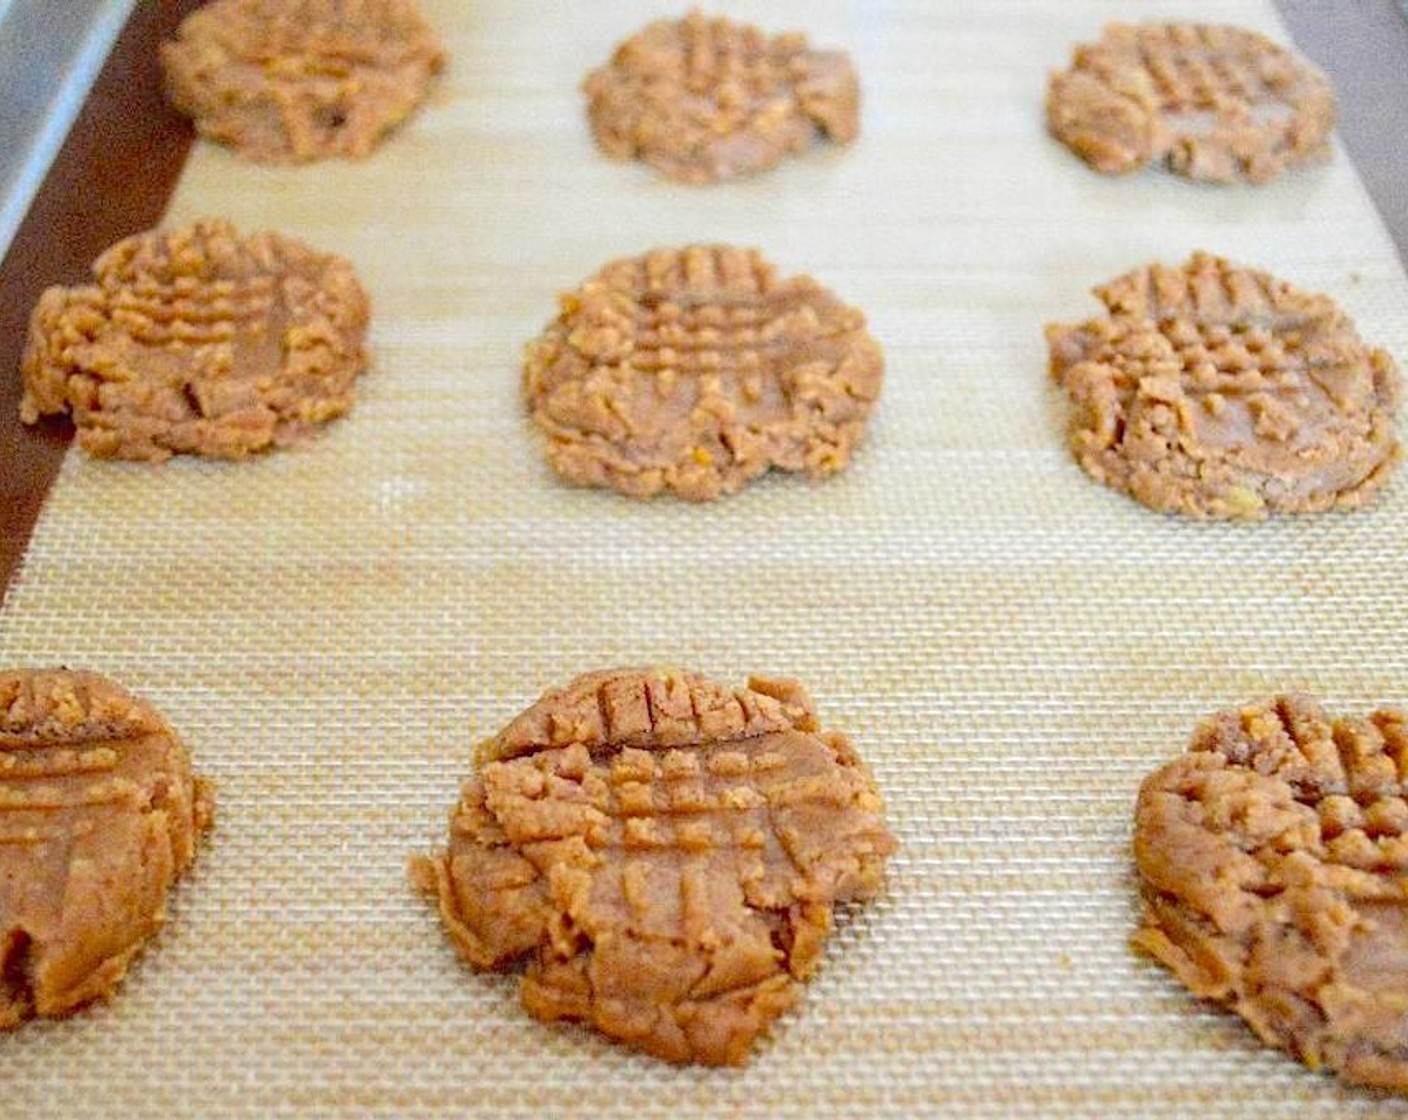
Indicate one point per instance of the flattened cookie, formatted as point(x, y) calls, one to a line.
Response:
point(298, 80)
point(664, 854)
point(1219, 391)
point(1273, 859)
point(198, 341)
point(705, 99)
point(695, 370)
point(1214, 103)
point(99, 814)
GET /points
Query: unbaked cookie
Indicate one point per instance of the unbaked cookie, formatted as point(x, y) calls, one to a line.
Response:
point(695, 370)
point(296, 80)
point(663, 853)
point(704, 99)
point(1219, 391)
point(99, 814)
point(1214, 103)
point(1273, 859)
point(198, 341)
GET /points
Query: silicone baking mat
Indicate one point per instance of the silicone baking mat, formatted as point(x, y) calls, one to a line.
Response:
point(1011, 645)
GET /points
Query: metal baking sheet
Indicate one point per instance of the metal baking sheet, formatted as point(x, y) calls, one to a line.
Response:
point(1011, 646)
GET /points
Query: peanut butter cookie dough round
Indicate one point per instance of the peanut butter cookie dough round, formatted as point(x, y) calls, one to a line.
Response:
point(702, 99)
point(1273, 861)
point(299, 80)
point(198, 341)
point(663, 853)
point(99, 815)
point(1213, 103)
point(1214, 390)
point(693, 371)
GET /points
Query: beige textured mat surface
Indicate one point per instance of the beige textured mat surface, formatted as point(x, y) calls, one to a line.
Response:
point(1011, 645)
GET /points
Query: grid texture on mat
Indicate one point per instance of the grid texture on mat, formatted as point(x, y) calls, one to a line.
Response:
point(1011, 646)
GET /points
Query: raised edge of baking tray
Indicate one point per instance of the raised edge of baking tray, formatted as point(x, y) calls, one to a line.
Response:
point(50, 55)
